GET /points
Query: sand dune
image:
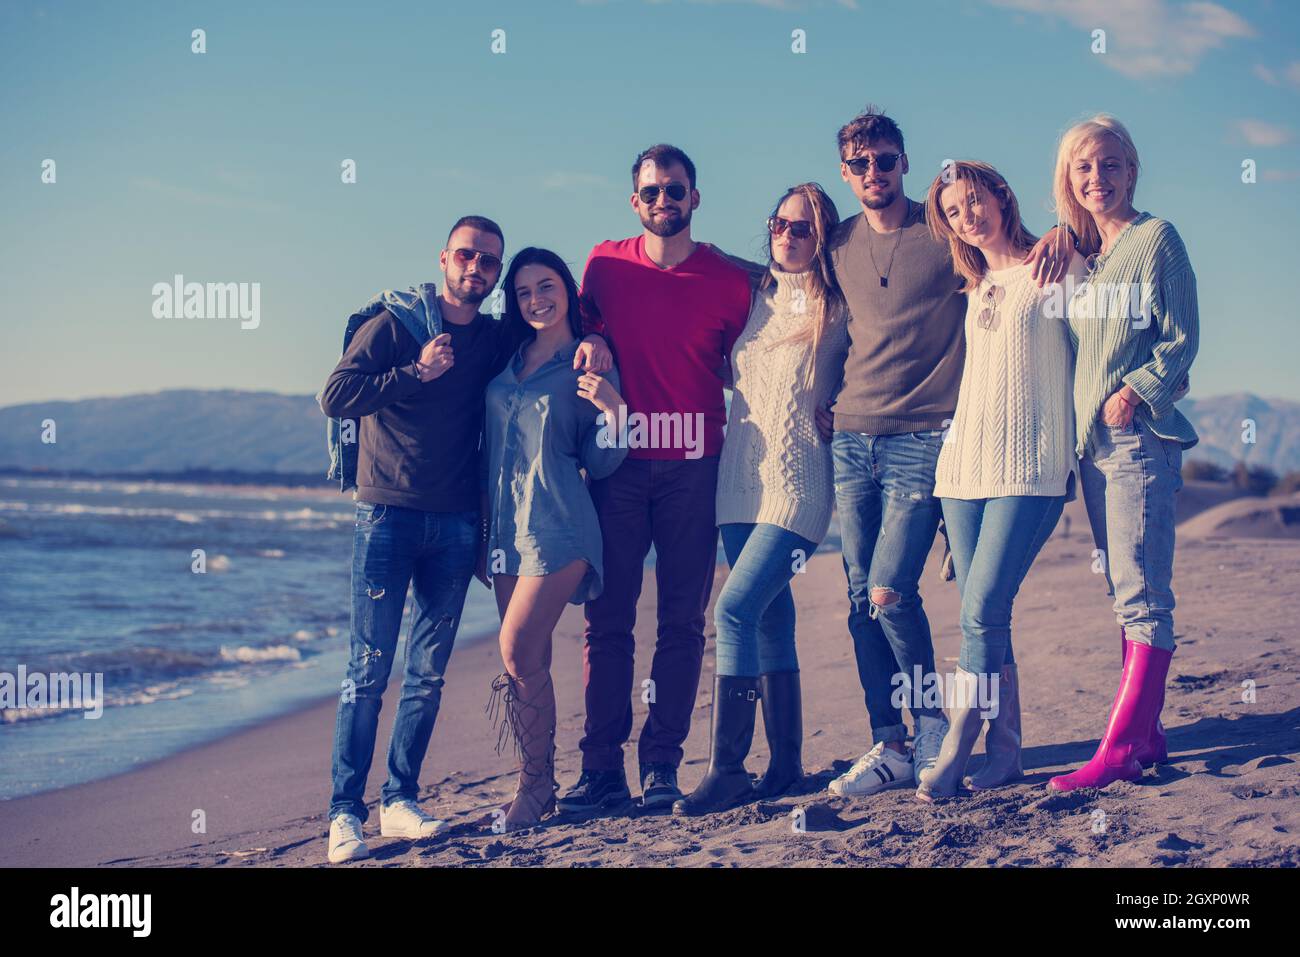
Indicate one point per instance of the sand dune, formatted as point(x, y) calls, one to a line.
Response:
point(1273, 517)
point(1194, 498)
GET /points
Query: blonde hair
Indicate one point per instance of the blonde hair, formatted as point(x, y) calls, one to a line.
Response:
point(968, 259)
point(823, 291)
point(1067, 207)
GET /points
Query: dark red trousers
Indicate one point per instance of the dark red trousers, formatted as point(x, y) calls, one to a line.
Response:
point(668, 504)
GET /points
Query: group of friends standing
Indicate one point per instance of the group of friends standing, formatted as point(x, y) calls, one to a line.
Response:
point(918, 362)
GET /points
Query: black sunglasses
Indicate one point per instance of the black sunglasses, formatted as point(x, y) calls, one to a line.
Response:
point(885, 162)
point(676, 192)
point(799, 228)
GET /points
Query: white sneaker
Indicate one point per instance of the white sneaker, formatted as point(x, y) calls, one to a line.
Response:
point(403, 818)
point(927, 743)
point(346, 843)
point(879, 769)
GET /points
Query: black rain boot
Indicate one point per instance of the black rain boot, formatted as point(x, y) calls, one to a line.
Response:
point(783, 722)
point(726, 783)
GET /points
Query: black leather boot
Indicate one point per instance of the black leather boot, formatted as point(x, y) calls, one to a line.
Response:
point(783, 722)
point(726, 783)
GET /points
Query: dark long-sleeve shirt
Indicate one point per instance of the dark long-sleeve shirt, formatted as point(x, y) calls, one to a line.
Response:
point(418, 441)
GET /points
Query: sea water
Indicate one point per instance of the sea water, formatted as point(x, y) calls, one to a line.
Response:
point(99, 577)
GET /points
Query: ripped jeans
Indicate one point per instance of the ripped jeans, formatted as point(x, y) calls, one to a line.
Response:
point(884, 494)
point(394, 547)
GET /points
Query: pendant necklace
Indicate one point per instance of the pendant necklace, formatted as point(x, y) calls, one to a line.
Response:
point(884, 277)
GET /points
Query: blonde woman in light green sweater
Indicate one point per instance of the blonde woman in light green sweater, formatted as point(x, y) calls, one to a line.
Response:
point(1135, 325)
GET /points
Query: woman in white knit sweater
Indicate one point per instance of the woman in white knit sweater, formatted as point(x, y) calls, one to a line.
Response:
point(774, 500)
point(1007, 462)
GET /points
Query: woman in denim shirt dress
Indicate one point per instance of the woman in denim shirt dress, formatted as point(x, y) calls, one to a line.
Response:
point(545, 426)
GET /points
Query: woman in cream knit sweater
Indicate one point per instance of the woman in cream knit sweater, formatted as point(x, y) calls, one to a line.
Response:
point(1007, 462)
point(774, 500)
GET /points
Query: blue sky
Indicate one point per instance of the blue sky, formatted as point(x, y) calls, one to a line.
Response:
point(225, 166)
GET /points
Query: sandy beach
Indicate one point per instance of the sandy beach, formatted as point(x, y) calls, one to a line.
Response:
point(1227, 797)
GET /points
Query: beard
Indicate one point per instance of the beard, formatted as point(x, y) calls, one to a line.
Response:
point(883, 200)
point(666, 226)
point(467, 292)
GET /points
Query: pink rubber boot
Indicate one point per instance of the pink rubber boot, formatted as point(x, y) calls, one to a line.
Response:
point(1156, 749)
point(1141, 688)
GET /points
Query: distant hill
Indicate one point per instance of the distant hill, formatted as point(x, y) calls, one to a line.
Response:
point(175, 430)
point(232, 431)
point(1218, 421)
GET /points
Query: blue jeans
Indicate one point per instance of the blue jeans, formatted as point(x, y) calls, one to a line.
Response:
point(884, 493)
point(993, 542)
point(391, 548)
point(754, 614)
point(1129, 477)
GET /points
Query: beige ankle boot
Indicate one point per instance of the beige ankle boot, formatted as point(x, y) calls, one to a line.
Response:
point(1002, 742)
point(964, 725)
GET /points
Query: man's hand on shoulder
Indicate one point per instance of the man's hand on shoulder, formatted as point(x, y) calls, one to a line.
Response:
point(593, 355)
point(752, 269)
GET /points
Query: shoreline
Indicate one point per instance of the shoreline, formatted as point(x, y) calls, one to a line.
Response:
point(1228, 796)
point(307, 703)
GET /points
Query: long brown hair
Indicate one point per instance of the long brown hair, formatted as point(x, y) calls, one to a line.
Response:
point(823, 291)
point(968, 259)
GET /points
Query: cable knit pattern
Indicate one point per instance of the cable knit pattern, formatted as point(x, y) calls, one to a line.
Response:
point(1013, 431)
point(774, 468)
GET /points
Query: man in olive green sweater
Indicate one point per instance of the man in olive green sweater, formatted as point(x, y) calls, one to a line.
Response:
point(899, 392)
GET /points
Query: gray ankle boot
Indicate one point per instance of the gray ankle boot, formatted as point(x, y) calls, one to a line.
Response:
point(1002, 742)
point(964, 724)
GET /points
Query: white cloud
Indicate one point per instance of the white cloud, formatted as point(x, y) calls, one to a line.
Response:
point(1146, 37)
point(1259, 133)
point(1289, 73)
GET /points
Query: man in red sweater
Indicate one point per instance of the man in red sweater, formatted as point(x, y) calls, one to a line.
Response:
point(671, 309)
